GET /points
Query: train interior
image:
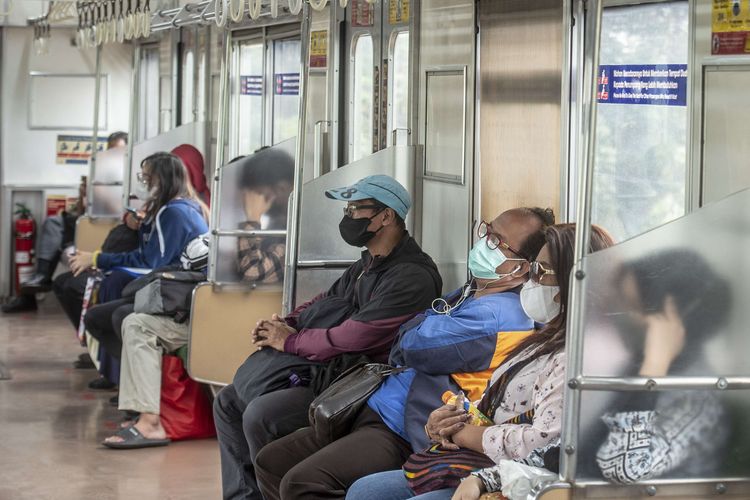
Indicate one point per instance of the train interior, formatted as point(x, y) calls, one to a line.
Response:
point(624, 114)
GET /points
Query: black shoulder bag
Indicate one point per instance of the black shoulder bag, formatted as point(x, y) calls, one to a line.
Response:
point(333, 412)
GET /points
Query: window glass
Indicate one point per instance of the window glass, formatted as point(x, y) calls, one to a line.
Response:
point(148, 125)
point(286, 64)
point(362, 99)
point(640, 169)
point(400, 82)
point(188, 86)
point(249, 98)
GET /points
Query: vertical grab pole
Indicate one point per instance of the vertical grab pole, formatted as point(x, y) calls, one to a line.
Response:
point(292, 246)
point(135, 99)
point(221, 135)
point(585, 167)
point(95, 131)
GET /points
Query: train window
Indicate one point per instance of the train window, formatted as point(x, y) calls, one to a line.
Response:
point(249, 98)
point(188, 86)
point(642, 101)
point(362, 119)
point(286, 64)
point(149, 93)
point(204, 47)
point(399, 91)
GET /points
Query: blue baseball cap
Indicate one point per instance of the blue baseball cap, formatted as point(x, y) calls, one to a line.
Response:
point(382, 188)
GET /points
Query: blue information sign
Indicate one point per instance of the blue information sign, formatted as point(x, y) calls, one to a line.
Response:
point(251, 85)
point(286, 84)
point(656, 84)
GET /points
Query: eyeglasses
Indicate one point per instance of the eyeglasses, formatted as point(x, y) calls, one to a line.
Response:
point(350, 209)
point(493, 240)
point(540, 274)
point(143, 178)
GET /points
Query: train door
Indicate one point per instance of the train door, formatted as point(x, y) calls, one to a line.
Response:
point(264, 88)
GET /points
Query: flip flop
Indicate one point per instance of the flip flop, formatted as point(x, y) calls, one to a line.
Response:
point(132, 439)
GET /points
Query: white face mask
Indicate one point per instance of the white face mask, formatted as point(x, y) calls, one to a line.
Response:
point(538, 301)
point(141, 191)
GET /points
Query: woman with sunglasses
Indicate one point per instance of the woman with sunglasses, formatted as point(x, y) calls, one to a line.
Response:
point(523, 398)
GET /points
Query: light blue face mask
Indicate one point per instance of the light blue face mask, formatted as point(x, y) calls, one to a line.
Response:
point(483, 261)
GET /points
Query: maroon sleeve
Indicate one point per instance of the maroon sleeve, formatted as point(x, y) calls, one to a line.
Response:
point(291, 319)
point(373, 338)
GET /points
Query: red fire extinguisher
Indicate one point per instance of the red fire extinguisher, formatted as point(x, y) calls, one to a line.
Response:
point(24, 229)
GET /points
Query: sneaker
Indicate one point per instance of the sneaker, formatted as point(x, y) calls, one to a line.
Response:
point(21, 303)
point(101, 384)
point(38, 283)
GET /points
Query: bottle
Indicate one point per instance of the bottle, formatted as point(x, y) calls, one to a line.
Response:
point(477, 417)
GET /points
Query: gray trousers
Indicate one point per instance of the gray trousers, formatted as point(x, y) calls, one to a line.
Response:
point(51, 238)
point(145, 338)
point(243, 430)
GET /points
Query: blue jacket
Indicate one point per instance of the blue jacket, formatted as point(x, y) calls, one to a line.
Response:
point(447, 352)
point(161, 239)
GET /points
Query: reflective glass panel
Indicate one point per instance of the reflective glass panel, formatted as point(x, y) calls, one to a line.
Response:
point(249, 98)
point(286, 64)
point(255, 196)
point(188, 86)
point(671, 302)
point(640, 168)
point(149, 93)
point(640, 436)
point(362, 118)
point(400, 83)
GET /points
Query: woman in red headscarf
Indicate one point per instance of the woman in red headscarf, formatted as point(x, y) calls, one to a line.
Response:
point(193, 160)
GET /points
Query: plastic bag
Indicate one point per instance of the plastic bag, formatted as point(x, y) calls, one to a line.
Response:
point(519, 479)
point(185, 408)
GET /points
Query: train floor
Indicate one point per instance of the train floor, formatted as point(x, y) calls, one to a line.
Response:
point(51, 425)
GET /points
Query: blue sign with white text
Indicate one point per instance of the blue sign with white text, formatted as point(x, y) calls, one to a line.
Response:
point(657, 84)
point(251, 85)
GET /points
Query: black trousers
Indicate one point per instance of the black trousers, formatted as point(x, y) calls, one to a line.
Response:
point(104, 323)
point(69, 291)
point(297, 467)
point(243, 430)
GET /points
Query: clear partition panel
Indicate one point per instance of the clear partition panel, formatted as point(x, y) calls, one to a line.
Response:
point(670, 303)
point(675, 435)
point(191, 133)
point(107, 183)
point(255, 194)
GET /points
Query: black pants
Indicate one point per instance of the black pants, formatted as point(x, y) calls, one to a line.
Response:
point(104, 323)
point(243, 430)
point(297, 467)
point(69, 291)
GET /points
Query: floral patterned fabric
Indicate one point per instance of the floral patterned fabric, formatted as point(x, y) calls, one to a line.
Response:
point(539, 387)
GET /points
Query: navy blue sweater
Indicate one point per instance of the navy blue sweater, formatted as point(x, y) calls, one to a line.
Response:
point(161, 239)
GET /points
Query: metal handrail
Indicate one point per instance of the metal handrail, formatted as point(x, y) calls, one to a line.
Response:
point(324, 264)
point(213, 251)
point(292, 246)
point(574, 344)
point(730, 383)
point(248, 233)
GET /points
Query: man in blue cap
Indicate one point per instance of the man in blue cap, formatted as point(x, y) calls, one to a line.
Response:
point(359, 315)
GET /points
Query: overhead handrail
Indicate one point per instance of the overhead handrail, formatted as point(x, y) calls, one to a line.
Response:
point(254, 8)
point(236, 13)
point(295, 6)
point(221, 12)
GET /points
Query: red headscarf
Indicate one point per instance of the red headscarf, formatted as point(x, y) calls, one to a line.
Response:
point(193, 161)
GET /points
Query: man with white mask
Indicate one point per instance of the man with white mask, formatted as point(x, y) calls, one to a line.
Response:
point(455, 345)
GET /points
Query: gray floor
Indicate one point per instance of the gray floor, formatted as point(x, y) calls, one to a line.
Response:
point(51, 426)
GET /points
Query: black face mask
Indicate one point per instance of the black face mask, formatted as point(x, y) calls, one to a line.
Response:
point(354, 231)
